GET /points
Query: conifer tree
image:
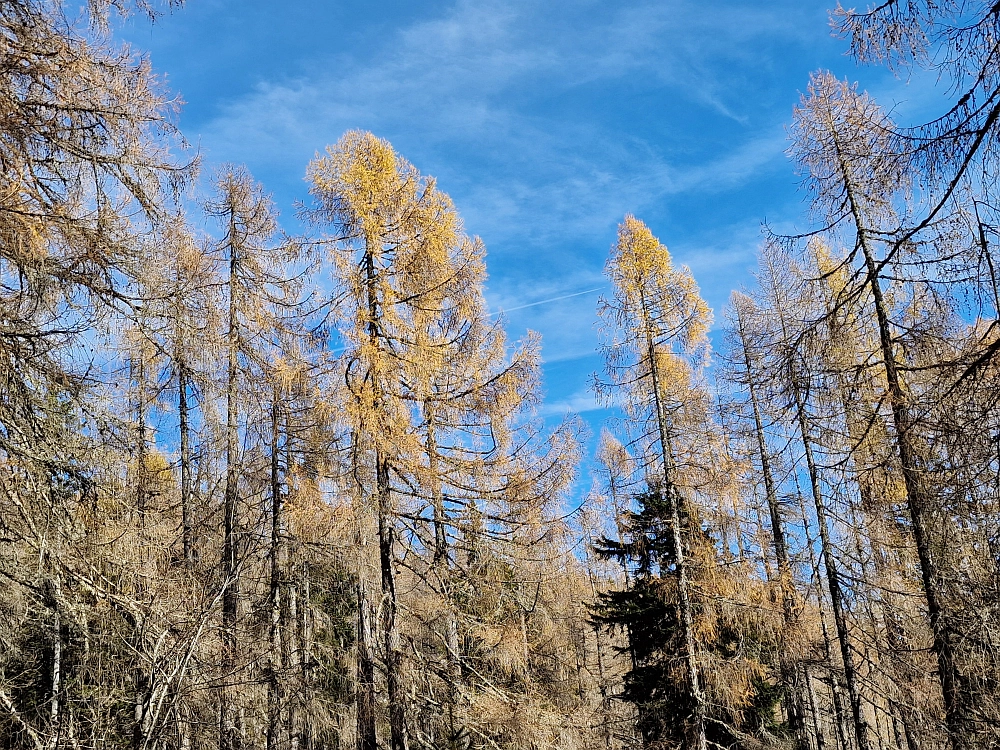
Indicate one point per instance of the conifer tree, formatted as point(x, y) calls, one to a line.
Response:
point(83, 143)
point(252, 280)
point(842, 138)
point(658, 327)
point(743, 312)
point(442, 408)
point(379, 206)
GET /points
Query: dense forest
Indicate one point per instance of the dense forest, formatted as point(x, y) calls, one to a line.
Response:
point(262, 489)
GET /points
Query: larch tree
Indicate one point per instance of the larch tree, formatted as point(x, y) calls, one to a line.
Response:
point(882, 541)
point(482, 453)
point(254, 281)
point(798, 383)
point(439, 412)
point(747, 374)
point(842, 141)
point(379, 208)
point(188, 327)
point(85, 171)
point(657, 339)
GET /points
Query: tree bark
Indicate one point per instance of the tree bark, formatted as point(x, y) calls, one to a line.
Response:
point(184, 428)
point(390, 629)
point(814, 711)
point(229, 738)
point(55, 705)
point(366, 735)
point(832, 569)
point(697, 739)
point(386, 539)
point(276, 664)
point(791, 699)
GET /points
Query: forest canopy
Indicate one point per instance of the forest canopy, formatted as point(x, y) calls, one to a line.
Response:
point(296, 491)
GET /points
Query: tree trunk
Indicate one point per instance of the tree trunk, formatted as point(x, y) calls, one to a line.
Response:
point(140, 680)
point(441, 568)
point(826, 543)
point(229, 738)
point(602, 682)
point(697, 739)
point(185, 440)
point(818, 724)
point(788, 670)
point(917, 502)
point(920, 513)
point(835, 693)
point(308, 662)
point(276, 664)
point(832, 570)
point(390, 630)
point(366, 670)
point(386, 538)
point(293, 648)
point(55, 705)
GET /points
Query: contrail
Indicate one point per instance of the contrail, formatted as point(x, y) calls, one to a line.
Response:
point(519, 307)
point(546, 301)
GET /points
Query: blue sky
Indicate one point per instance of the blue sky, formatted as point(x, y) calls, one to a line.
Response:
point(545, 120)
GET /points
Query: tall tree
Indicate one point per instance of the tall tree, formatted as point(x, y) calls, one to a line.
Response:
point(252, 281)
point(379, 207)
point(798, 384)
point(841, 139)
point(749, 376)
point(658, 327)
point(83, 144)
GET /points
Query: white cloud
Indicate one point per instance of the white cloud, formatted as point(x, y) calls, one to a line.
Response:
point(465, 77)
point(579, 403)
point(496, 100)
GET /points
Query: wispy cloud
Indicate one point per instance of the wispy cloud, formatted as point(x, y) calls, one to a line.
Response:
point(547, 122)
point(479, 76)
point(579, 403)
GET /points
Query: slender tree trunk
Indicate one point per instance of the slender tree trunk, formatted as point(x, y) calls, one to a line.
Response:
point(814, 712)
point(525, 640)
point(184, 427)
point(770, 493)
point(826, 543)
point(182, 723)
point(276, 560)
point(140, 680)
point(307, 662)
point(55, 705)
point(788, 670)
point(889, 624)
point(386, 538)
point(602, 682)
point(293, 648)
point(142, 439)
point(442, 572)
point(437, 496)
point(390, 629)
point(835, 694)
point(697, 739)
point(366, 671)
point(919, 508)
point(832, 569)
point(229, 738)
point(916, 495)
